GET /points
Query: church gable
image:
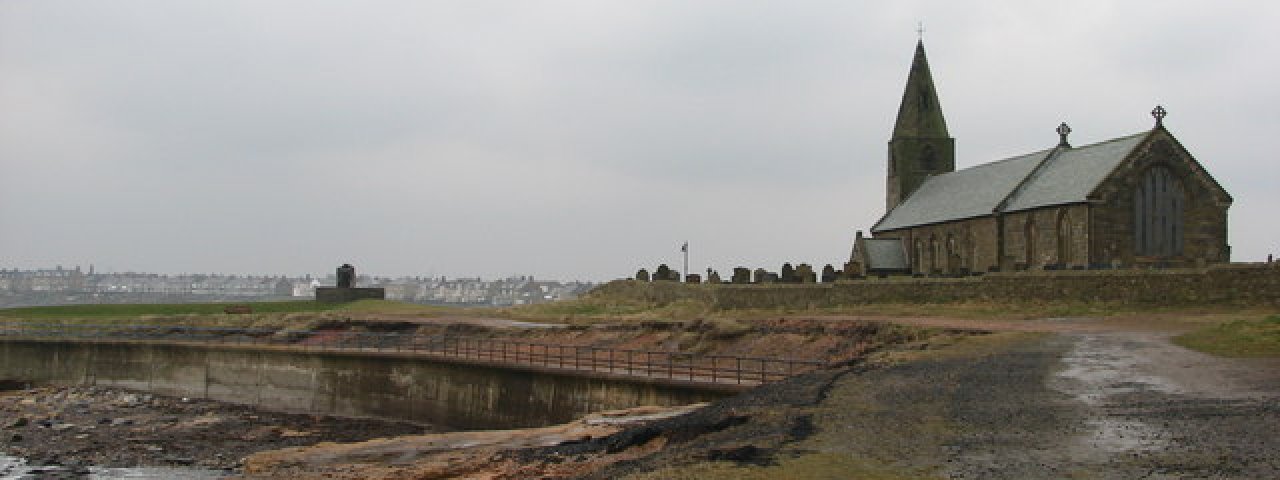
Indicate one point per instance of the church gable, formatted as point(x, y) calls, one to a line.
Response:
point(1158, 148)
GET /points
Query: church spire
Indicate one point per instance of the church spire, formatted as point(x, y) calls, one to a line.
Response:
point(920, 114)
point(920, 145)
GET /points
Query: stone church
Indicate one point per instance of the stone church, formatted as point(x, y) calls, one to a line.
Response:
point(1140, 200)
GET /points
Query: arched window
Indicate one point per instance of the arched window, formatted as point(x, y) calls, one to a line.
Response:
point(933, 253)
point(1064, 238)
point(1029, 236)
point(918, 258)
point(1157, 214)
point(953, 254)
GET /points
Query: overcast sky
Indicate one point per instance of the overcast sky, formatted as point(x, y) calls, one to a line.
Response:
point(570, 139)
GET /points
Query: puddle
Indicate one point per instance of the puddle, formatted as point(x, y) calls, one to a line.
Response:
point(1099, 367)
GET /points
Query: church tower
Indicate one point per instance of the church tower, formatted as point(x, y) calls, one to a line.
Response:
point(920, 145)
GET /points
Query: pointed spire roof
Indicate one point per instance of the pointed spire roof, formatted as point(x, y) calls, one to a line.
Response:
point(920, 114)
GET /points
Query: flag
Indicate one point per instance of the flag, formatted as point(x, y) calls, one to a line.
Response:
point(685, 248)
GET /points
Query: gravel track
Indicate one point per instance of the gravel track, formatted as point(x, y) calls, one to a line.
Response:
point(1101, 404)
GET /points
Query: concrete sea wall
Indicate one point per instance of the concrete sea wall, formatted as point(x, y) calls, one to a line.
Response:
point(461, 396)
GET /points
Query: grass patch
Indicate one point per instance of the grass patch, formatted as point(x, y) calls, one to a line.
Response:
point(292, 315)
point(1237, 338)
point(819, 465)
point(114, 311)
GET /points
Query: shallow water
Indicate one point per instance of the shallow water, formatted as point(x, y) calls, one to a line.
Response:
point(13, 468)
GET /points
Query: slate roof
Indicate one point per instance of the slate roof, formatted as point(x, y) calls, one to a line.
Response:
point(885, 254)
point(1070, 175)
point(972, 192)
point(1049, 177)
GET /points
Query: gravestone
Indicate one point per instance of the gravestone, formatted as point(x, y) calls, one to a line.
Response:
point(741, 275)
point(789, 274)
point(804, 274)
point(642, 275)
point(760, 275)
point(713, 277)
point(829, 274)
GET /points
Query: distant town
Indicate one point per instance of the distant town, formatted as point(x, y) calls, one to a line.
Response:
point(61, 286)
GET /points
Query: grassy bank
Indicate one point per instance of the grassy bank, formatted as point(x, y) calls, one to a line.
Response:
point(137, 310)
point(662, 301)
point(290, 314)
point(1239, 338)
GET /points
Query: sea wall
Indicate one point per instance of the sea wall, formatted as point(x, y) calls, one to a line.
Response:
point(454, 395)
point(1243, 285)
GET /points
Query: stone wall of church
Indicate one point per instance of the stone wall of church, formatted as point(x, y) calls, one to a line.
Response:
point(1203, 232)
point(1052, 237)
point(951, 248)
point(1243, 285)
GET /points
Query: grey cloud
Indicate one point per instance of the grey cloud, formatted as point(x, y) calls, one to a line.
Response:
point(569, 139)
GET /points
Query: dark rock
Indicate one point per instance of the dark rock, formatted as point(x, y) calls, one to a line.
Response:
point(743, 454)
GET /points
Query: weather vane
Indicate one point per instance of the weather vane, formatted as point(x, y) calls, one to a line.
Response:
point(920, 30)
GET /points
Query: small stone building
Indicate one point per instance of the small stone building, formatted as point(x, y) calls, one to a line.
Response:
point(1140, 200)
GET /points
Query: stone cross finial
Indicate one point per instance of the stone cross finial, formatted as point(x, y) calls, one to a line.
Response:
point(1159, 113)
point(1063, 131)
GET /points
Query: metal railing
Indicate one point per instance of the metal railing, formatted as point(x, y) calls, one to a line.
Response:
point(682, 366)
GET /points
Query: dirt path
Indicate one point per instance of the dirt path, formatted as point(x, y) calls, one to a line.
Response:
point(1169, 323)
point(488, 322)
point(1083, 398)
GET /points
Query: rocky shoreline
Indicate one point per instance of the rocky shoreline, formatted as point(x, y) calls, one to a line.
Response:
point(72, 430)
